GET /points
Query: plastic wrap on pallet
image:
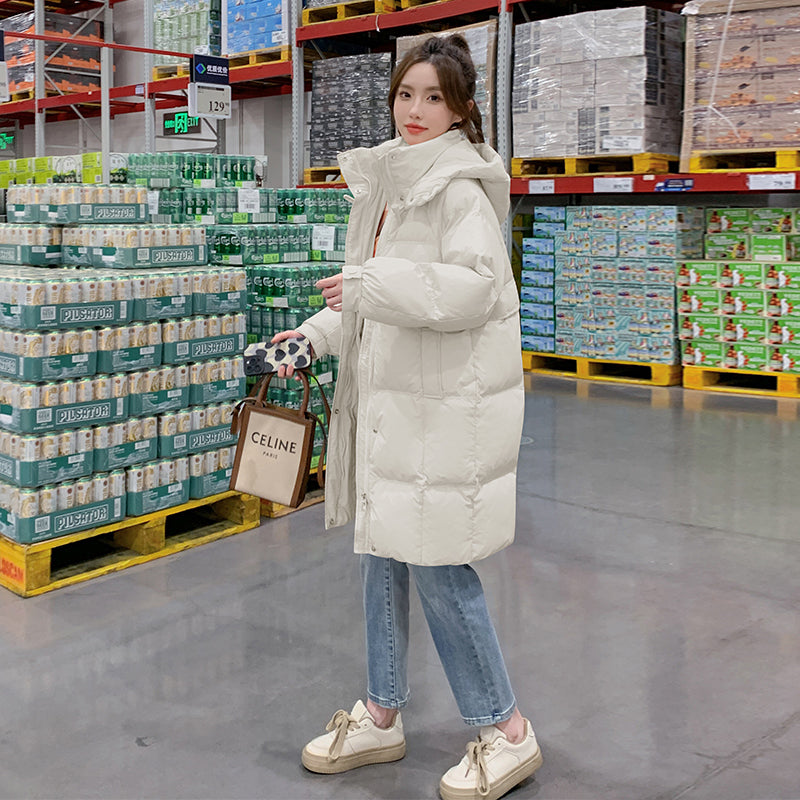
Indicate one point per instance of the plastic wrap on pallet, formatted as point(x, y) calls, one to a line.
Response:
point(582, 88)
point(359, 84)
point(185, 27)
point(254, 26)
point(482, 41)
point(742, 90)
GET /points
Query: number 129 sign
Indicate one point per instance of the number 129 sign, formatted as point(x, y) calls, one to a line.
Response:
point(208, 100)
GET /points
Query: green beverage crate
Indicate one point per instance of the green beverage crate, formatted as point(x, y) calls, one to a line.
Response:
point(157, 499)
point(213, 483)
point(149, 403)
point(120, 456)
point(151, 308)
point(74, 415)
point(129, 359)
point(46, 470)
point(48, 368)
point(60, 523)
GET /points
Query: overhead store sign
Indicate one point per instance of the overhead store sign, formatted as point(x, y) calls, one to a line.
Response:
point(180, 123)
point(209, 90)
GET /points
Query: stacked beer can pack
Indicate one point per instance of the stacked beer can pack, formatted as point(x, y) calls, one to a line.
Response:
point(119, 373)
point(282, 294)
point(740, 306)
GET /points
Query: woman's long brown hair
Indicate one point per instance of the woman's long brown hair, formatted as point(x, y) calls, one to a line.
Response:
point(452, 61)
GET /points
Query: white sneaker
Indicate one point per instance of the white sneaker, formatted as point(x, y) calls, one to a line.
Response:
point(492, 766)
point(354, 741)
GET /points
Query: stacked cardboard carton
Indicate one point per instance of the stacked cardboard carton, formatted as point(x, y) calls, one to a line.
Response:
point(186, 26)
point(742, 90)
point(348, 105)
point(740, 307)
point(598, 82)
point(254, 25)
point(614, 291)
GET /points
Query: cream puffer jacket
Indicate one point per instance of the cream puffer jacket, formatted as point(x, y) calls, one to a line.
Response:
point(429, 400)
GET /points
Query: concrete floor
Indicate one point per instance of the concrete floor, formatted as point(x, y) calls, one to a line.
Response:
point(649, 612)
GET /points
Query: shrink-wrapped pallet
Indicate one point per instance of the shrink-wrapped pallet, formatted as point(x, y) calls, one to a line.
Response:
point(598, 82)
point(742, 84)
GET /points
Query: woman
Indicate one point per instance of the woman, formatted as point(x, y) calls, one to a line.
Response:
point(427, 416)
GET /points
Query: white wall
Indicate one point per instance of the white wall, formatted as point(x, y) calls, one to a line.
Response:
point(259, 126)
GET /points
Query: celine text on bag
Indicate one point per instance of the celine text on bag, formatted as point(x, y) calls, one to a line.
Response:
point(273, 454)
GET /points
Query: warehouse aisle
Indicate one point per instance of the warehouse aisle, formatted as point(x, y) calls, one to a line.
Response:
point(649, 612)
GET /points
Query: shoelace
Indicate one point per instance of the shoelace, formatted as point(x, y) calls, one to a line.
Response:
point(341, 722)
point(476, 759)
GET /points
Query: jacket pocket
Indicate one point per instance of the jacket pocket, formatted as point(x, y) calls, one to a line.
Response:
point(430, 359)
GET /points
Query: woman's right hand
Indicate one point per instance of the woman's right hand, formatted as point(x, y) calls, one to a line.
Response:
point(285, 371)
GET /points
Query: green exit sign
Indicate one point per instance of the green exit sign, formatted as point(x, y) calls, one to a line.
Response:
point(6, 141)
point(180, 123)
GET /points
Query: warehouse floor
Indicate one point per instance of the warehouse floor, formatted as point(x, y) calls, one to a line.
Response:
point(649, 612)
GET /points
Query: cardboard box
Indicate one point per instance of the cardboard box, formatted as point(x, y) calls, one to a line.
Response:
point(536, 311)
point(727, 246)
point(742, 355)
point(741, 328)
point(786, 358)
point(742, 302)
point(768, 247)
point(538, 245)
point(550, 213)
point(703, 354)
point(697, 273)
point(700, 326)
point(60, 523)
point(741, 275)
point(699, 300)
point(782, 303)
point(772, 220)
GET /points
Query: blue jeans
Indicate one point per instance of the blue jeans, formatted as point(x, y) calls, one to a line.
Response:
point(455, 608)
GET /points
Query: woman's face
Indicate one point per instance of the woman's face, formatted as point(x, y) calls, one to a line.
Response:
point(420, 112)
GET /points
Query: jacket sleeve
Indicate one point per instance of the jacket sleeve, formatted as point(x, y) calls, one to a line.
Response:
point(457, 293)
point(324, 331)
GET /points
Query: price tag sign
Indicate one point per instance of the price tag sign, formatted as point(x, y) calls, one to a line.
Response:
point(777, 181)
point(152, 202)
point(613, 185)
point(542, 187)
point(210, 101)
point(249, 201)
point(323, 237)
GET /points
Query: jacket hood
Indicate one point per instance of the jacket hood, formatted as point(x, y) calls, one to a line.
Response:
point(412, 175)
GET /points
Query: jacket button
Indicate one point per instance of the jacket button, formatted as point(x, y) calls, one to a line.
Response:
point(330, 521)
point(335, 410)
point(373, 548)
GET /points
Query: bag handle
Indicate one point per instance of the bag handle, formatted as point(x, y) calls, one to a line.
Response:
point(258, 397)
point(325, 427)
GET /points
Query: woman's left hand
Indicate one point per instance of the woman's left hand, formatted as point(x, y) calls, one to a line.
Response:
point(332, 291)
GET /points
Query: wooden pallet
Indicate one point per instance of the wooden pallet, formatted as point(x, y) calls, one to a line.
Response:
point(744, 161)
point(32, 569)
point(742, 381)
point(171, 71)
point(415, 3)
point(346, 10)
point(602, 370)
point(29, 94)
point(325, 175)
point(634, 164)
point(255, 57)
